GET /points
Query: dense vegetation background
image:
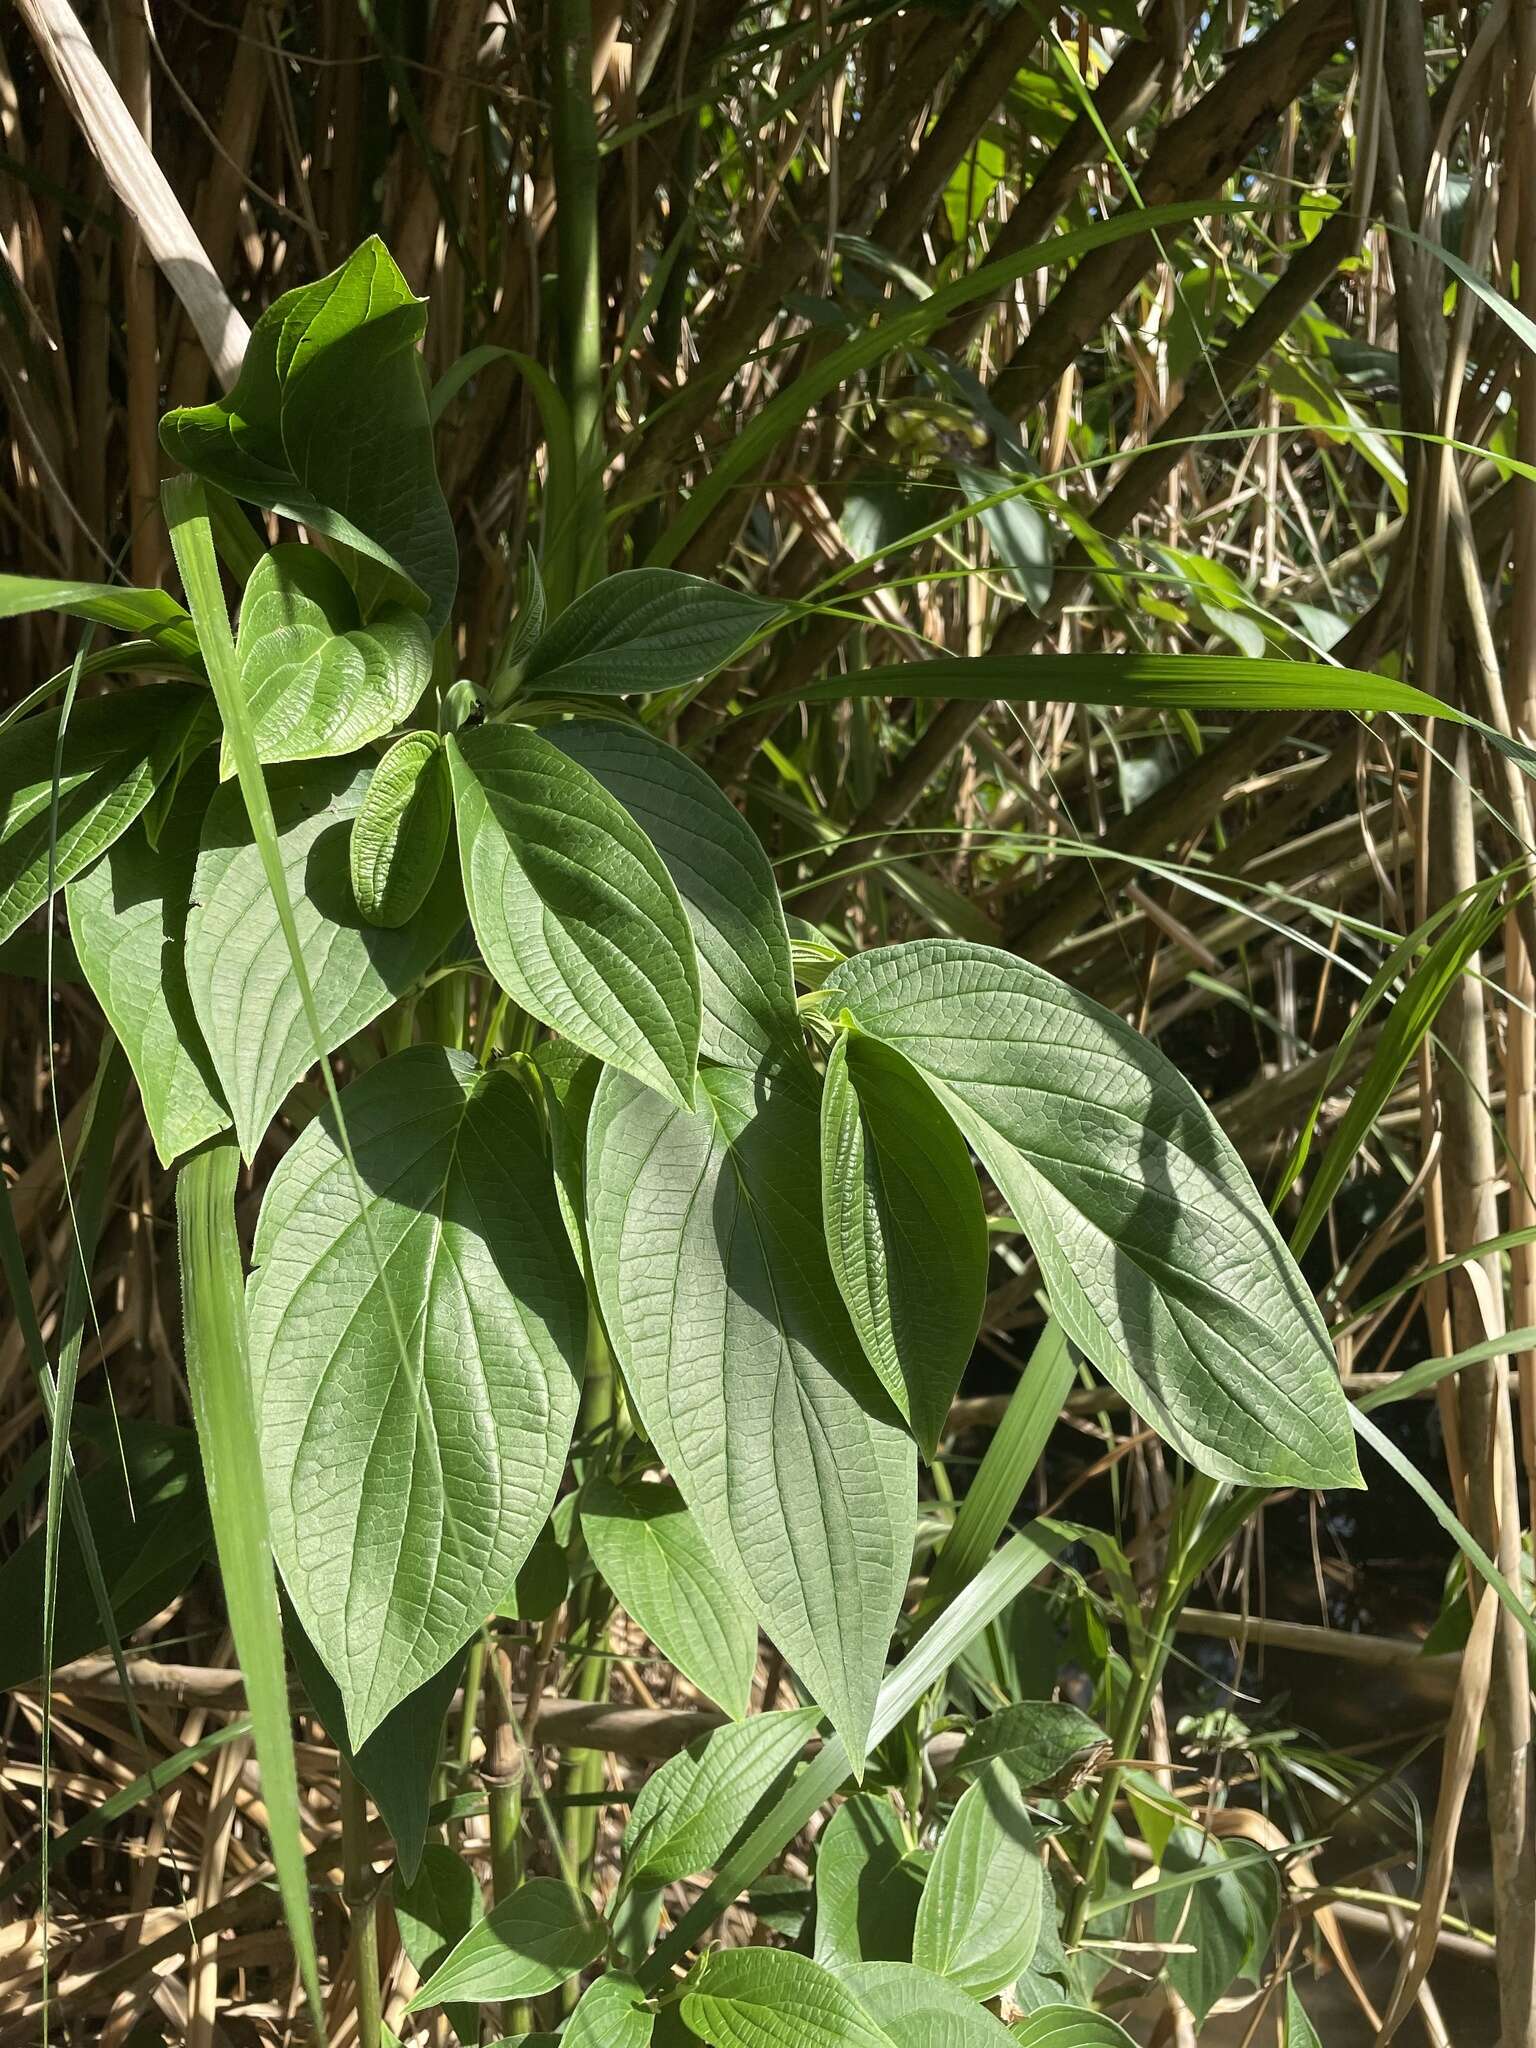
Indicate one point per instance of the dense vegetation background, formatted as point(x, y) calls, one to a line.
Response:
point(1279, 414)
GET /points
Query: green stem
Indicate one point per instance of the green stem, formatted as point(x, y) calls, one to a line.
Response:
point(1183, 1567)
point(573, 134)
point(361, 1891)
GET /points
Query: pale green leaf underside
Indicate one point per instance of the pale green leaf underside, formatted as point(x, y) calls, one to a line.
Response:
point(723, 876)
point(688, 1811)
point(116, 749)
point(713, 1278)
point(405, 1493)
point(770, 1998)
point(1069, 2026)
point(612, 2014)
point(979, 1919)
point(906, 1231)
point(535, 1939)
point(645, 629)
point(664, 1575)
point(238, 967)
point(316, 680)
point(128, 919)
point(401, 831)
point(916, 2009)
point(576, 915)
point(1160, 1259)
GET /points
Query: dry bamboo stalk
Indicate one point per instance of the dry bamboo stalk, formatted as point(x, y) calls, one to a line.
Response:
point(138, 181)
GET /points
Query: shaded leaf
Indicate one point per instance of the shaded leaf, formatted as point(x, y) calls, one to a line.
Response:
point(868, 1883)
point(1039, 1741)
point(713, 1278)
point(645, 629)
point(906, 1231)
point(576, 915)
point(535, 1939)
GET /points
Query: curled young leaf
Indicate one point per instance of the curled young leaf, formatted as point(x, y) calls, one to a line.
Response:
point(401, 830)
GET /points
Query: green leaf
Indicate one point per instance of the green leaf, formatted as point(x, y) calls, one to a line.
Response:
point(535, 1939)
point(1020, 537)
point(981, 1911)
point(1041, 1742)
point(575, 913)
point(688, 1812)
point(219, 1382)
point(1299, 2030)
point(154, 1505)
point(1161, 1261)
point(1174, 682)
point(906, 1230)
point(116, 749)
point(154, 614)
point(723, 876)
point(398, 1763)
point(128, 919)
point(916, 2009)
point(868, 1883)
point(401, 830)
point(770, 1998)
point(540, 1582)
point(328, 425)
point(645, 629)
point(1225, 1914)
point(403, 1505)
point(434, 1912)
point(664, 1575)
point(316, 679)
point(238, 969)
point(612, 2014)
point(713, 1278)
point(1069, 2026)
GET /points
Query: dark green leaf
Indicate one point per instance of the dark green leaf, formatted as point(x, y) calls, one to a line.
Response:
point(645, 629)
point(1042, 1742)
point(1162, 1263)
point(906, 1231)
point(1225, 1914)
point(328, 424)
point(576, 915)
point(723, 877)
point(116, 749)
point(868, 1883)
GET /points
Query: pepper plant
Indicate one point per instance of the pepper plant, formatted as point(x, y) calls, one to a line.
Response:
point(624, 1246)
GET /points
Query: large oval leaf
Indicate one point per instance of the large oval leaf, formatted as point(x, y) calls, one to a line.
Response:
point(645, 629)
point(722, 874)
point(531, 1941)
point(239, 971)
point(316, 680)
point(906, 1231)
point(1161, 1261)
point(116, 750)
point(769, 1998)
point(713, 1277)
point(979, 1919)
point(128, 919)
point(576, 915)
point(652, 1552)
point(405, 1490)
point(688, 1811)
point(916, 2009)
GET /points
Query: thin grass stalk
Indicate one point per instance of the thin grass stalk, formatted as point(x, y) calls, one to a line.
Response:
point(360, 1890)
point(573, 128)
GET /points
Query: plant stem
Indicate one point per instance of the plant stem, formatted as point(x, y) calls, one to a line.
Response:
point(573, 135)
point(1180, 1572)
point(361, 1891)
